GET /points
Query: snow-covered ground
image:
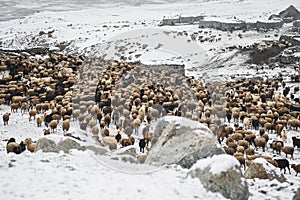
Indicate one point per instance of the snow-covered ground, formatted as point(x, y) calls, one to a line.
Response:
point(114, 30)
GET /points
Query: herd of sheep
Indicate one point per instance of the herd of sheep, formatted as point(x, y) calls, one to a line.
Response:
point(116, 103)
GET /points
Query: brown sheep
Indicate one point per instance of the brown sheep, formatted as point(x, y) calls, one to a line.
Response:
point(241, 159)
point(296, 167)
point(30, 145)
point(240, 149)
point(126, 142)
point(46, 131)
point(250, 151)
point(288, 150)
point(277, 146)
point(53, 125)
point(95, 130)
point(105, 132)
point(229, 150)
point(6, 118)
point(12, 146)
point(14, 107)
point(32, 113)
point(107, 119)
point(260, 142)
point(66, 125)
point(243, 143)
point(39, 121)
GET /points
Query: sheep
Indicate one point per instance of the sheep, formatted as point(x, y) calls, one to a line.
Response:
point(39, 121)
point(142, 144)
point(296, 167)
point(137, 122)
point(277, 146)
point(296, 142)
point(92, 123)
point(53, 125)
point(241, 160)
point(30, 145)
point(105, 132)
point(249, 151)
point(282, 164)
point(14, 107)
point(240, 149)
point(229, 150)
point(6, 118)
point(95, 131)
point(260, 142)
point(288, 150)
point(75, 114)
point(126, 142)
point(32, 113)
point(243, 143)
point(107, 119)
point(283, 134)
point(12, 146)
point(118, 136)
point(46, 131)
point(66, 125)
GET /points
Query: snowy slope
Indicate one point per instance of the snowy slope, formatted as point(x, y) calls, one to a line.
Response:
point(90, 28)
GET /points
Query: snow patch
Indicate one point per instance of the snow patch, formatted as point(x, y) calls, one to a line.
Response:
point(217, 164)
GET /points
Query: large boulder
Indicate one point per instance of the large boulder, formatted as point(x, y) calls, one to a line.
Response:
point(46, 145)
point(178, 140)
point(221, 173)
point(262, 169)
point(297, 195)
point(68, 144)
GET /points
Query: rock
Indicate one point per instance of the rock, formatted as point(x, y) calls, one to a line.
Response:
point(221, 173)
point(262, 169)
point(297, 195)
point(178, 140)
point(141, 158)
point(111, 142)
point(129, 150)
point(46, 145)
point(124, 158)
point(97, 150)
point(68, 144)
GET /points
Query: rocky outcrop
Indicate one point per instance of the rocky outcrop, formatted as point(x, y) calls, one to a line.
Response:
point(178, 140)
point(297, 195)
point(46, 145)
point(68, 144)
point(262, 169)
point(222, 174)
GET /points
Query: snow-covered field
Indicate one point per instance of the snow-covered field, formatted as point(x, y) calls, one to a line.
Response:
point(114, 30)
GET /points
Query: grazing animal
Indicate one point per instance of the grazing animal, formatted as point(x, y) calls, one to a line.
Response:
point(46, 131)
point(142, 144)
point(30, 145)
point(6, 118)
point(288, 150)
point(296, 167)
point(283, 134)
point(118, 136)
point(296, 142)
point(32, 113)
point(282, 164)
point(12, 146)
point(277, 146)
point(53, 125)
point(39, 121)
point(66, 125)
